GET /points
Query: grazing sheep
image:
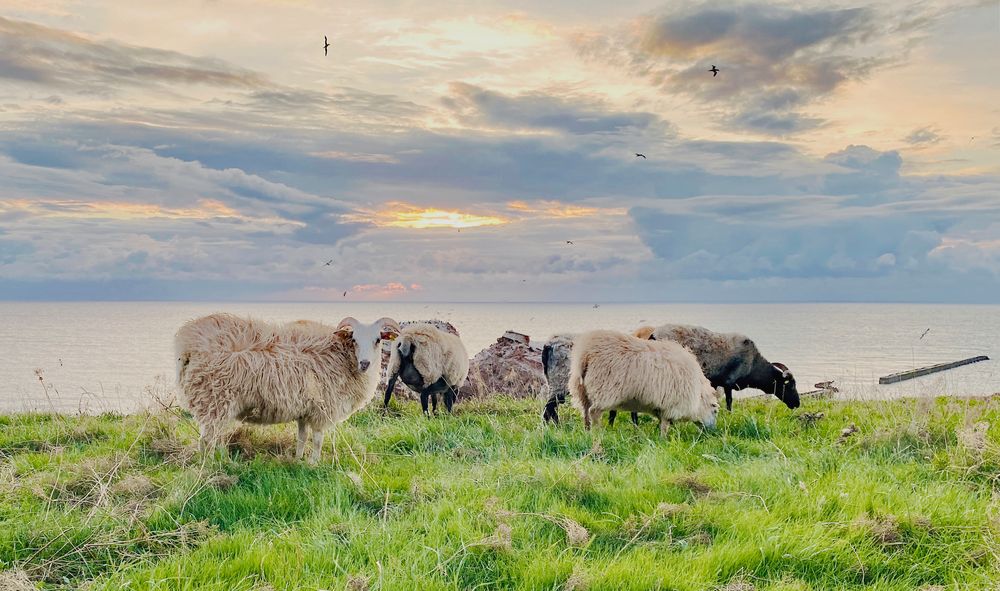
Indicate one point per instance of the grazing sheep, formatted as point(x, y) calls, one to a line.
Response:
point(615, 371)
point(241, 369)
point(430, 361)
point(556, 363)
point(729, 360)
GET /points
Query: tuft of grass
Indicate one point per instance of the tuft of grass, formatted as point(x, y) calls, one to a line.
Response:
point(861, 495)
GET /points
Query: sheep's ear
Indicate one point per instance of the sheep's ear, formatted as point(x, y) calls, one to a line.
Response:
point(347, 325)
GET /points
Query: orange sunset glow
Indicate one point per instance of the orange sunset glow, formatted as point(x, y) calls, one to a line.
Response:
point(401, 215)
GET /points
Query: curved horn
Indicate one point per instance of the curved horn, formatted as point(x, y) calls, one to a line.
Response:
point(645, 332)
point(782, 368)
point(387, 325)
point(348, 322)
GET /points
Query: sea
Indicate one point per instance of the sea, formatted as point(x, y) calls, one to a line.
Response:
point(93, 357)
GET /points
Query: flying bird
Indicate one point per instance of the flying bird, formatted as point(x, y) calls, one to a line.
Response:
point(638, 155)
point(345, 294)
point(923, 335)
point(569, 242)
point(714, 71)
point(326, 44)
point(596, 306)
point(328, 263)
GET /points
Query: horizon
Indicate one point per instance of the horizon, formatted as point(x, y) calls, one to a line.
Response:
point(203, 151)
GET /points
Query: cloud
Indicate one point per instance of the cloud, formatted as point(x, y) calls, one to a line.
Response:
point(869, 223)
point(36, 54)
point(923, 136)
point(476, 105)
point(868, 170)
point(775, 60)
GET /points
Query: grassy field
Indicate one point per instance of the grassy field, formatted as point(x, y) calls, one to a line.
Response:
point(490, 499)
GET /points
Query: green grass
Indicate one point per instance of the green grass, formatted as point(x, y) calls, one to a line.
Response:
point(491, 499)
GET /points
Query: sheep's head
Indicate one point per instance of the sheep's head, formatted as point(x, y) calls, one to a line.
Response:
point(784, 385)
point(708, 410)
point(368, 338)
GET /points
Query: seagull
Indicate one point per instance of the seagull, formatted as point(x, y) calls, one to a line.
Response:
point(569, 242)
point(326, 44)
point(638, 155)
point(923, 335)
point(345, 294)
point(714, 71)
point(596, 306)
point(328, 263)
point(971, 138)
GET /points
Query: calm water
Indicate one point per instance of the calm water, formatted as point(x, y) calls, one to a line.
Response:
point(112, 356)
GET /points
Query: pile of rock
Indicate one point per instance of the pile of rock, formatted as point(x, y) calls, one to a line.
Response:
point(510, 366)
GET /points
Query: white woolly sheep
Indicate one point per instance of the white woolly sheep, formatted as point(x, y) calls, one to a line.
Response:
point(430, 361)
point(241, 369)
point(616, 371)
point(730, 360)
point(556, 364)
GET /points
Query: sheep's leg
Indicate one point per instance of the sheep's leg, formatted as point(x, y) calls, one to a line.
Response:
point(586, 418)
point(206, 437)
point(449, 398)
point(611, 417)
point(635, 418)
point(210, 441)
point(664, 425)
point(317, 445)
point(434, 402)
point(595, 417)
point(423, 402)
point(388, 390)
point(300, 442)
point(729, 397)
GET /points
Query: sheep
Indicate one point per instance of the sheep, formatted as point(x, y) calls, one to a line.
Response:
point(430, 361)
point(555, 363)
point(242, 369)
point(729, 360)
point(615, 371)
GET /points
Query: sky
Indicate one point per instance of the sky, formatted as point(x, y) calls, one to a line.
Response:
point(486, 151)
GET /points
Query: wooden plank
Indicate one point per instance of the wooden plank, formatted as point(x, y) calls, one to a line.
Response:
point(923, 371)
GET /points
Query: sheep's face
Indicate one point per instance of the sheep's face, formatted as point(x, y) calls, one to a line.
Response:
point(709, 410)
point(368, 339)
point(784, 386)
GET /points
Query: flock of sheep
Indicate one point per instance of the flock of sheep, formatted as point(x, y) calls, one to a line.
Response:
point(233, 369)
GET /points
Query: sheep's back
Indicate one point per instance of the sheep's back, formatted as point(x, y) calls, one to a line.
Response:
point(265, 373)
point(621, 368)
point(714, 350)
point(437, 353)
